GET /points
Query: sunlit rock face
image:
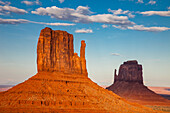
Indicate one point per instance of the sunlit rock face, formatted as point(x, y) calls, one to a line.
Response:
point(129, 85)
point(55, 53)
point(61, 84)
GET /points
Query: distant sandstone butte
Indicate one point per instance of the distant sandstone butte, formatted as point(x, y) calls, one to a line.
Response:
point(61, 84)
point(129, 84)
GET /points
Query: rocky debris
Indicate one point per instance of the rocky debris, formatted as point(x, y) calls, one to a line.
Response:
point(55, 53)
point(129, 85)
point(59, 86)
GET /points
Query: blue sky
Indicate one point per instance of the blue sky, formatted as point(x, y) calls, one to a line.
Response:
point(114, 30)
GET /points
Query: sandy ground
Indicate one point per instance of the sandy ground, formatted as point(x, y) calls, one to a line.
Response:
point(158, 90)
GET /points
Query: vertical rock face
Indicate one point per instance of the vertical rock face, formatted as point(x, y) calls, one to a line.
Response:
point(55, 53)
point(130, 71)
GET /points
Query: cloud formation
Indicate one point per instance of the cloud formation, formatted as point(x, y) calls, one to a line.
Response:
point(140, 1)
point(160, 13)
point(143, 28)
point(82, 15)
point(104, 26)
point(61, 1)
point(13, 21)
point(5, 3)
point(83, 30)
point(151, 29)
point(21, 21)
point(8, 9)
point(37, 2)
point(120, 11)
point(152, 2)
point(116, 54)
point(27, 2)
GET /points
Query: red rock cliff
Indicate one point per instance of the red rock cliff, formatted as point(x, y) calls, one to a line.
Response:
point(55, 53)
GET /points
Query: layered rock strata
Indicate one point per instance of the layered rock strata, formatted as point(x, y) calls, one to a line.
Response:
point(61, 84)
point(129, 85)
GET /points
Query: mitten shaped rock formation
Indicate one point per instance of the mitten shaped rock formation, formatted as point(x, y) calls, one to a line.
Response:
point(55, 53)
point(129, 84)
point(130, 71)
point(60, 85)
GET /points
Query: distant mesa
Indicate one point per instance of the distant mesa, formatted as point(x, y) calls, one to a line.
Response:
point(62, 84)
point(129, 85)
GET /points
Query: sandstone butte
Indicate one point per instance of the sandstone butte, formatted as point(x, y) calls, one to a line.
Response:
point(129, 85)
point(62, 84)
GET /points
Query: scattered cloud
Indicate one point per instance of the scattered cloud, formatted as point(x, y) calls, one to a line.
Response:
point(55, 24)
point(82, 15)
point(152, 2)
point(21, 21)
point(37, 2)
point(116, 54)
point(120, 11)
point(160, 13)
point(13, 21)
point(143, 28)
point(84, 30)
point(5, 3)
point(27, 2)
point(120, 27)
point(140, 1)
point(61, 1)
point(8, 9)
point(169, 8)
point(150, 29)
point(105, 26)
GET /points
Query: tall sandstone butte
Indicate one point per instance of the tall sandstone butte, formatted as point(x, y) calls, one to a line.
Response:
point(129, 85)
point(55, 52)
point(61, 84)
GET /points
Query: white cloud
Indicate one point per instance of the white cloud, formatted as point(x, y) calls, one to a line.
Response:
point(5, 3)
point(152, 2)
point(120, 11)
point(160, 13)
point(8, 9)
point(27, 2)
point(169, 8)
point(13, 21)
point(143, 28)
point(104, 26)
point(82, 15)
point(21, 21)
point(61, 1)
point(120, 26)
point(116, 54)
point(37, 2)
point(54, 24)
point(84, 30)
point(151, 29)
point(140, 1)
